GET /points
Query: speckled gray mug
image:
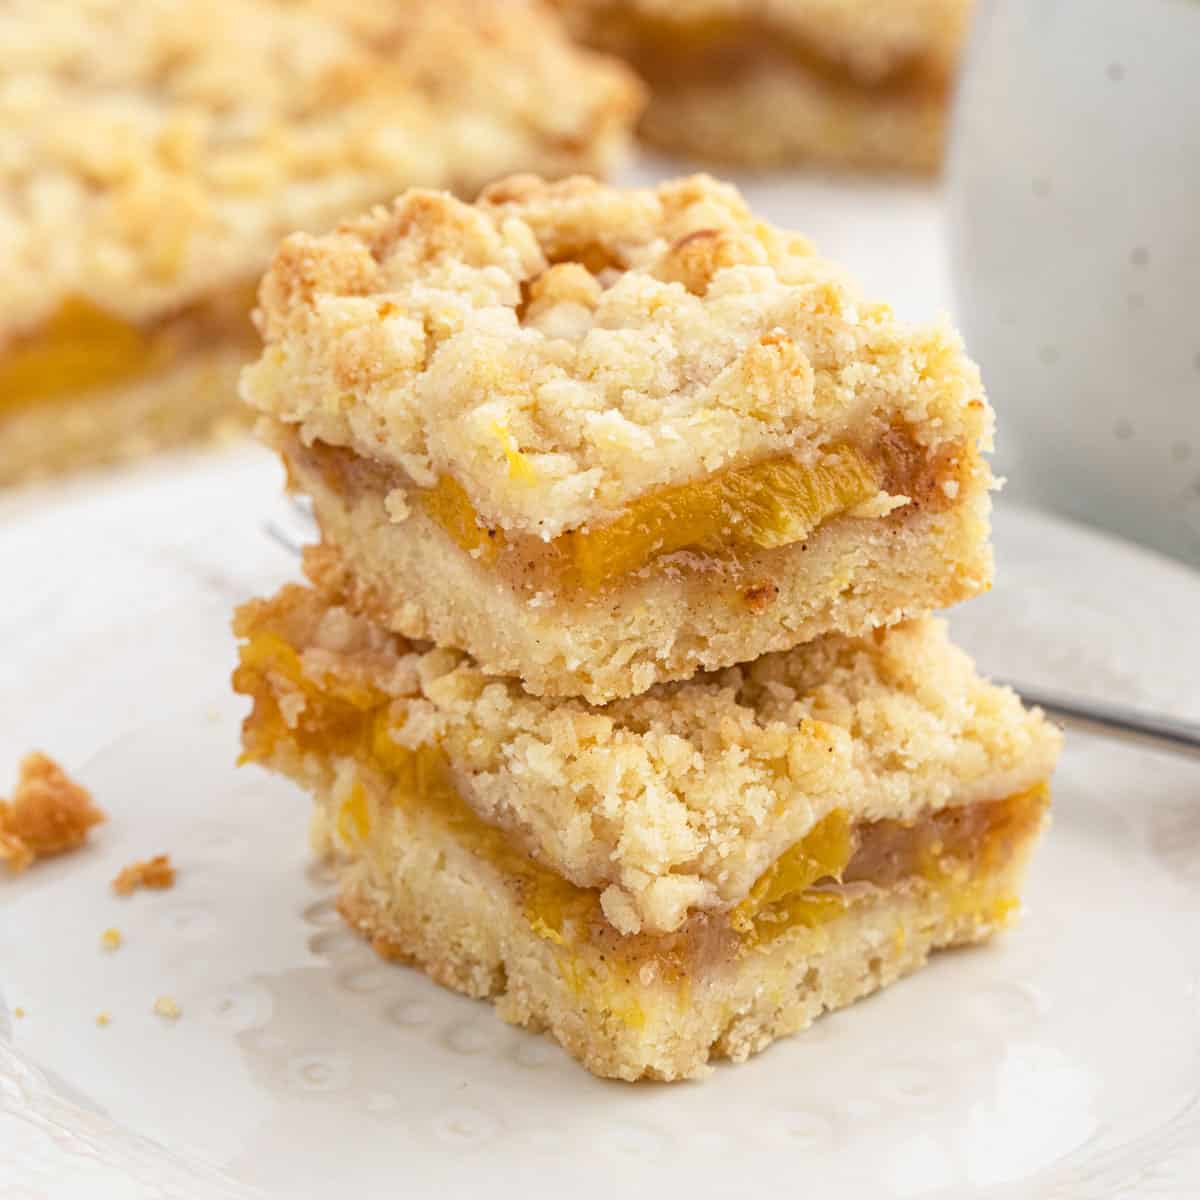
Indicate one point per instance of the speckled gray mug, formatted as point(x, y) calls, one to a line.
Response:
point(1075, 217)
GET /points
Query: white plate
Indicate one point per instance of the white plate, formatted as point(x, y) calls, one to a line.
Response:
point(1062, 1061)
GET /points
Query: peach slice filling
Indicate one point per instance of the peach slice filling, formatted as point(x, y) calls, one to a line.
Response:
point(815, 881)
point(769, 504)
point(82, 348)
point(666, 50)
point(714, 521)
point(78, 348)
point(953, 850)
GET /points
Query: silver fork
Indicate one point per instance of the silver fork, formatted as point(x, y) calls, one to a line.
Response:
point(1150, 731)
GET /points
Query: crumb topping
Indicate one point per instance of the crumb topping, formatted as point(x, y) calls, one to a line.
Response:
point(156, 872)
point(558, 349)
point(679, 798)
point(49, 813)
point(165, 1006)
point(157, 150)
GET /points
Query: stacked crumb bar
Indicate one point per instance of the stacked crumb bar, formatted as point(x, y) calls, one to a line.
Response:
point(154, 152)
point(613, 679)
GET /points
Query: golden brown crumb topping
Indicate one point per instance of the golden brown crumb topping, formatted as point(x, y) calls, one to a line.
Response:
point(156, 872)
point(49, 813)
point(559, 349)
point(156, 150)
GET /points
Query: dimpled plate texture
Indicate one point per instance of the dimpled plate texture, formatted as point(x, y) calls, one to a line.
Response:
point(1061, 1062)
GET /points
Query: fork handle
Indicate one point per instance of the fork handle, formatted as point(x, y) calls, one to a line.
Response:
point(1149, 730)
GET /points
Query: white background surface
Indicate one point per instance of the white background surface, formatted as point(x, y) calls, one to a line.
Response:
point(1062, 1062)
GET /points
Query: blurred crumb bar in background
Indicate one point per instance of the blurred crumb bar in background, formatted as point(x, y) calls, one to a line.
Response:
point(857, 83)
point(153, 152)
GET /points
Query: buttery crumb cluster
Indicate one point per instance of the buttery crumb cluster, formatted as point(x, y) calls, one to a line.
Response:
point(49, 813)
point(616, 687)
point(156, 873)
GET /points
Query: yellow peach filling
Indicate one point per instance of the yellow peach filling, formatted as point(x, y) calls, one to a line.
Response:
point(666, 49)
point(450, 506)
point(348, 719)
point(82, 348)
point(781, 897)
point(78, 348)
point(769, 504)
point(949, 849)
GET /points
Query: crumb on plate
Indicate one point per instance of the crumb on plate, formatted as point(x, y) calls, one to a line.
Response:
point(18, 1012)
point(49, 813)
point(165, 1006)
point(156, 872)
point(103, 1019)
point(111, 939)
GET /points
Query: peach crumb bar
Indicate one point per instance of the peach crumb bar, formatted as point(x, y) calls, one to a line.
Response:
point(852, 83)
point(684, 875)
point(604, 438)
point(155, 151)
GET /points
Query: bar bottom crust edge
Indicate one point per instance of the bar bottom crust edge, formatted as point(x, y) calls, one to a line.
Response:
point(780, 114)
point(192, 399)
point(659, 1008)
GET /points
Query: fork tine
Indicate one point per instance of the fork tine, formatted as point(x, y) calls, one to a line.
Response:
point(281, 537)
point(302, 506)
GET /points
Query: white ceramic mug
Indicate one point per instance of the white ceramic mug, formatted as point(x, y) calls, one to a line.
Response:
point(1075, 219)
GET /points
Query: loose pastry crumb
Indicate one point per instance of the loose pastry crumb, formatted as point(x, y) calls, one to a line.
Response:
point(48, 814)
point(103, 1019)
point(156, 872)
point(165, 1006)
point(111, 939)
point(18, 1012)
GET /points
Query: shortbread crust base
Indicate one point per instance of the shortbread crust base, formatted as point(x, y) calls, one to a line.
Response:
point(420, 898)
point(777, 114)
